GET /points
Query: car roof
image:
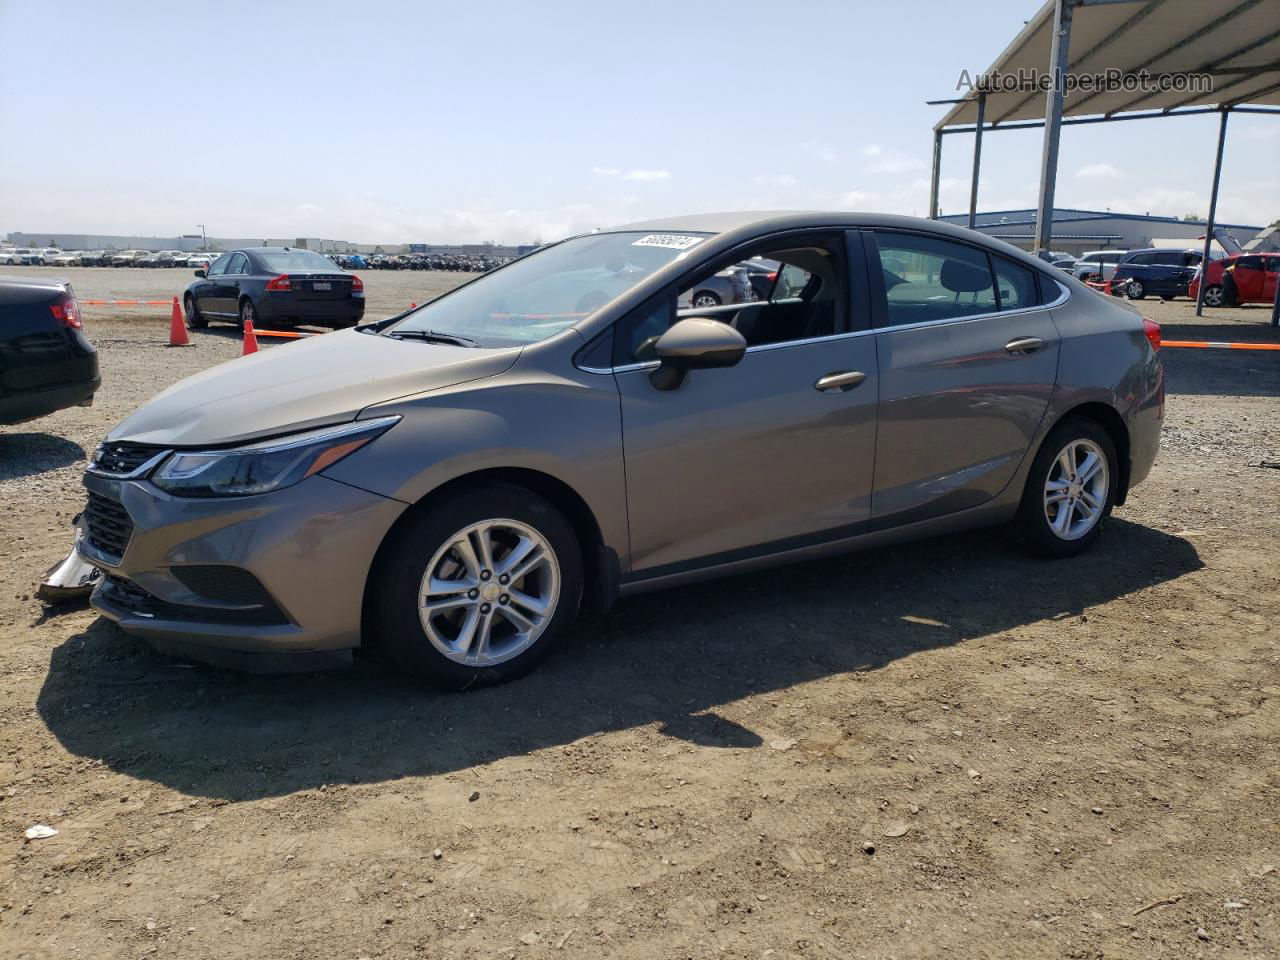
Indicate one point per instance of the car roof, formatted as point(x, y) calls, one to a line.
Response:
point(766, 220)
point(733, 227)
point(272, 250)
point(49, 282)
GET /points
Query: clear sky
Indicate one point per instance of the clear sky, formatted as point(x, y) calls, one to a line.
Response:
point(397, 121)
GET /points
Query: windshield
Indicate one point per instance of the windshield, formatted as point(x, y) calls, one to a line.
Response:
point(547, 291)
point(295, 260)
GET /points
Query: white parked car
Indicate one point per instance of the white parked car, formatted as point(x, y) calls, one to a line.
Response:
point(19, 256)
point(197, 261)
point(1098, 265)
point(65, 260)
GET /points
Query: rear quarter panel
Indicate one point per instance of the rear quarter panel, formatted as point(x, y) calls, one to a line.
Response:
point(1106, 358)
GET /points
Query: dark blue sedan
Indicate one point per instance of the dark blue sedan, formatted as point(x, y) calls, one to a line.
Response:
point(273, 286)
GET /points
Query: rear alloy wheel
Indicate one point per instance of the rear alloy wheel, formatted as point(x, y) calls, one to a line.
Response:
point(248, 314)
point(704, 299)
point(1135, 290)
point(1070, 490)
point(195, 319)
point(477, 589)
point(1214, 296)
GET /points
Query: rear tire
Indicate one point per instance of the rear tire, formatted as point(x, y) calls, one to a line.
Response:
point(1068, 497)
point(442, 546)
point(247, 313)
point(195, 319)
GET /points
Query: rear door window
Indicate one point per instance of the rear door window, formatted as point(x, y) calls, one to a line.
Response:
point(1015, 284)
point(929, 278)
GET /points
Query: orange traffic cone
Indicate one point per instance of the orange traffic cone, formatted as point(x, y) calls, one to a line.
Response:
point(413, 306)
point(1106, 288)
point(178, 328)
point(250, 339)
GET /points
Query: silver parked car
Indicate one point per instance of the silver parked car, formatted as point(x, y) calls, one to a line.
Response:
point(1098, 265)
point(455, 483)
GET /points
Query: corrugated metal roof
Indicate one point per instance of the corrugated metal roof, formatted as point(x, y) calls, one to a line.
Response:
point(1235, 42)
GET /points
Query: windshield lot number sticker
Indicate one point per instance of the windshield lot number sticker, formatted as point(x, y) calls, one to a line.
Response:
point(672, 241)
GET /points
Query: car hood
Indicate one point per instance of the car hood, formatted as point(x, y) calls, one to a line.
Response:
point(308, 383)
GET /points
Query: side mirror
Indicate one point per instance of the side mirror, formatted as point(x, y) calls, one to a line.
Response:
point(201, 272)
point(695, 343)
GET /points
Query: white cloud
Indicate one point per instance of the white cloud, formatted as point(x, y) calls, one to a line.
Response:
point(776, 180)
point(1262, 134)
point(632, 174)
point(647, 175)
point(880, 160)
point(1098, 171)
point(821, 151)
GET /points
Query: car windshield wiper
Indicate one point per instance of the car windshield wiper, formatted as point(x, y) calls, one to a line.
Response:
point(434, 336)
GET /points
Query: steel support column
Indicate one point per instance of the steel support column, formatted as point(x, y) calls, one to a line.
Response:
point(977, 159)
point(1053, 121)
point(1213, 211)
point(937, 175)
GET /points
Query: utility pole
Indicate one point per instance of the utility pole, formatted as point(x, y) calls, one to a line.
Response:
point(204, 240)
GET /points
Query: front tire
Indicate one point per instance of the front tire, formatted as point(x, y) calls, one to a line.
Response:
point(1135, 290)
point(477, 589)
point(1214, 296)
point(1070, 490)
point(705, 299)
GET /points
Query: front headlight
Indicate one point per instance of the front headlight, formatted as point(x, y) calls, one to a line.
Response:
point(266, 466)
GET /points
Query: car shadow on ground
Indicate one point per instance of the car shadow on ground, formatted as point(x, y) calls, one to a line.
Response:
point(669, 659)
point(26, 454)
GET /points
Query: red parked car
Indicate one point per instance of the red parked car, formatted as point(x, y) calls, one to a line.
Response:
point(1242, 278)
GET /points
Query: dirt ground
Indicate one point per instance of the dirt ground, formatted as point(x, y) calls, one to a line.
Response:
point(941, 750)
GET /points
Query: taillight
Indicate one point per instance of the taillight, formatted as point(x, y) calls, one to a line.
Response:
point(357, 285)
point(773, 276)
point(281, 282)
point(1152, 330)
point(67, 312)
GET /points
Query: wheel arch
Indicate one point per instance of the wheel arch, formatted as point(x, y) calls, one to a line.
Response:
point(1107, 417)
point(599, 563)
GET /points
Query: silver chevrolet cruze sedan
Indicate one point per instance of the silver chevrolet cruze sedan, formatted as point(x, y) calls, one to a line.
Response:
point(455, 484)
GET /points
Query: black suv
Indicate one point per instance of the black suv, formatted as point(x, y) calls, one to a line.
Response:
point(274, 285)
point(1165, 273)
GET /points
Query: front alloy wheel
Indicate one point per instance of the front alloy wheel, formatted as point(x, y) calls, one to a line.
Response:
point(1214, 296)
point(489, 592)
point(475, 587)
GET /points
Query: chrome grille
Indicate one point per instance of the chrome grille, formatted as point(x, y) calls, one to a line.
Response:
point(121, 459)
point(107, 525)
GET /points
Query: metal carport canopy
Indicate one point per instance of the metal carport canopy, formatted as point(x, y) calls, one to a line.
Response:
point(1197, 56)
point(1235, 42)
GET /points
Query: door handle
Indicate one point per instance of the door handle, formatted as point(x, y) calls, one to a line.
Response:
point(1024, 345)
point(839, 382)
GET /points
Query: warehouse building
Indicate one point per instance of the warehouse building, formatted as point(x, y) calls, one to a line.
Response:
point(1075, 231)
